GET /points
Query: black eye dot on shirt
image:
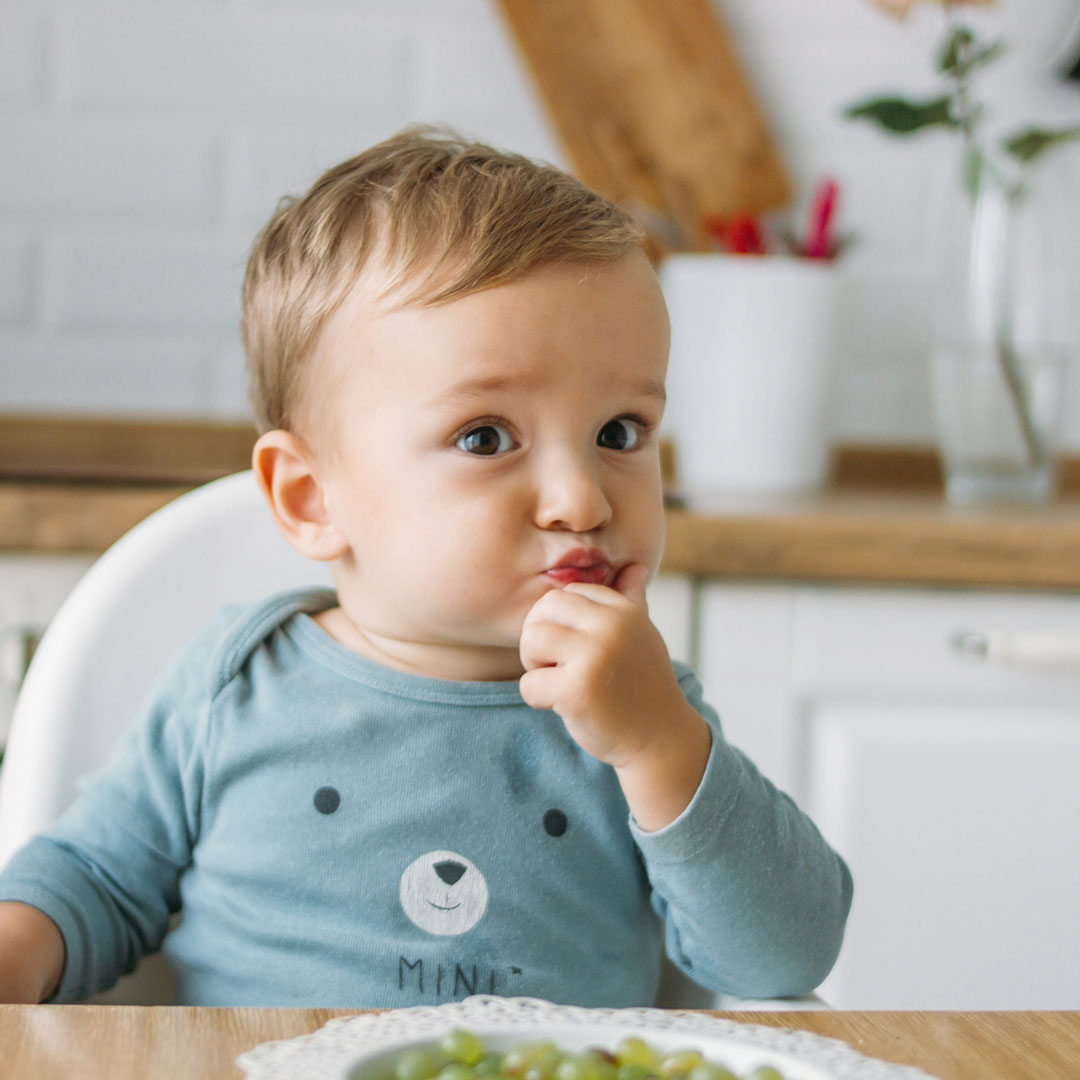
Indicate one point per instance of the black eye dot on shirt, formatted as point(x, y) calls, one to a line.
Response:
point(327, 800)
point(555, 823)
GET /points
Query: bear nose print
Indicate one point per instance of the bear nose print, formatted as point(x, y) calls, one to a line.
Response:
point(327, 800)
point(555, 822)
point(449, 871)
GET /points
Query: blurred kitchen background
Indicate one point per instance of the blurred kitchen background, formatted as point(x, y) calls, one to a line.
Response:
point(143, 141)
point(907, 669)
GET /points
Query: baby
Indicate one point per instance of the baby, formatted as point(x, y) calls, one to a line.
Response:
point(472, 767)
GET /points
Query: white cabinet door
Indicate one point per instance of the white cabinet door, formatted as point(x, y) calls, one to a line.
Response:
point(950, 783)
point(960, 826)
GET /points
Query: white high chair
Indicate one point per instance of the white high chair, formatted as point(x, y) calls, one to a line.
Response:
point(127, 617)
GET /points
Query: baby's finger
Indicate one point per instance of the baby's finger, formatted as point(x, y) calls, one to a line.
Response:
point(539, 687)
point(613, 595)
point(544, 644)
point(567, 606)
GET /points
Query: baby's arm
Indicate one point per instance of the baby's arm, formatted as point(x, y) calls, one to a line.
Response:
point(106, 875)
point(31, 955)
point(754, 898)
point(593, 656)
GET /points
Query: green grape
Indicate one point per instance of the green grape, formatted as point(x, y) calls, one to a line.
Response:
point(602, 1063)
point(515, 1061)
point(461, 1055)
point(543, 1062)
point(519, 1059)
point(572, 1067)
point(544, 1059)
point(463, 1046)
point(634, 1051)
point(456, 1070)
point(708, 1071)
point(589, 1065)
point(576, 1067)
point(679, 1062)
point(415, 1065)
point(633, 1071)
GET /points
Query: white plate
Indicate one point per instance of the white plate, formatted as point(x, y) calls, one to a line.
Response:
point(349, 1046)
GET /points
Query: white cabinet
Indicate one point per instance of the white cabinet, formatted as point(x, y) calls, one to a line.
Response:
point(671, 607)
point(959, 823)
point(949, 783)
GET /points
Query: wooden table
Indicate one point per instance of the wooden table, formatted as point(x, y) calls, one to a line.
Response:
point(120, 1042)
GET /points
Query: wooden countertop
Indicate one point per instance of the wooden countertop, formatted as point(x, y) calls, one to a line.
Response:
point(77, 486)
point(102, 1042)
point(897, 538)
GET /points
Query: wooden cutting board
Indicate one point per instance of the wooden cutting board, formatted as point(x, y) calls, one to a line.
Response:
point(652, 106)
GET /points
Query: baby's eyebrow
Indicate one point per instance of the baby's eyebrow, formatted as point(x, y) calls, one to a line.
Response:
point(488, 384)
point(481, 385)
point(652, 388)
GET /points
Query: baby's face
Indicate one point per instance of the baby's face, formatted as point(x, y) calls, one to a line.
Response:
point(484, 441)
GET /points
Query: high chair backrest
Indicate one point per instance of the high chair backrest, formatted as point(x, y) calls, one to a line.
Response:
point(126, 618)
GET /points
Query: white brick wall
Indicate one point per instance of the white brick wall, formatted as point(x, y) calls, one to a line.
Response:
point(142, 142)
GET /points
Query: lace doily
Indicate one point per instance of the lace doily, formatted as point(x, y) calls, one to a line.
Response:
point(332, 1052)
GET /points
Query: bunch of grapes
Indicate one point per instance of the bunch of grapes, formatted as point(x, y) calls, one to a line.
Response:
point(461, 1055)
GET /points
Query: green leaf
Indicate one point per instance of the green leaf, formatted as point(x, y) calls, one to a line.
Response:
point(986, 55)
point(1032, 143)
point(903, 117)
point(958, 41)
point(960, 55)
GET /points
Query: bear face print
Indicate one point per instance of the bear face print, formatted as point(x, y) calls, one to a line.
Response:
point(443, 893)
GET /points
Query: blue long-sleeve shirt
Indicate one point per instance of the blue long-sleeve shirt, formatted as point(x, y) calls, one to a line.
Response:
point(337, 833)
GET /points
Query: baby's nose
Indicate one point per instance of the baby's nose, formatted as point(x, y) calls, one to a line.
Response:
point(571, 497)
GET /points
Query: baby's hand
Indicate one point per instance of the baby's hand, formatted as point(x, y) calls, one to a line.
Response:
point(593, 656)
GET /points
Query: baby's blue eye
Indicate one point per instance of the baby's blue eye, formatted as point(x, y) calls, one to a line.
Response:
point(486, 441)
point(620, 434)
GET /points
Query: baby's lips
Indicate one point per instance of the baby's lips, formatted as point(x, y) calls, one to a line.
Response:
point(590, 575)
point(588, 565)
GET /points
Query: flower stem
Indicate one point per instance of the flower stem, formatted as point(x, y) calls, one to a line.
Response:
point(1014, 382)
point(973, 157)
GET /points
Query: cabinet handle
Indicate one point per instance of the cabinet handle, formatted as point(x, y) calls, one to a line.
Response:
point(1048, 651)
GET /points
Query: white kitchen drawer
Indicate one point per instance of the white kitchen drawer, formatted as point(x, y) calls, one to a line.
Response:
point(908, 641)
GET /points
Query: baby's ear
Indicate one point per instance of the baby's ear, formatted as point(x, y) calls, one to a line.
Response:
point(287, 474)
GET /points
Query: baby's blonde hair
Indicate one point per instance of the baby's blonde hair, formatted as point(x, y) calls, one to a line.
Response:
point(447, 217)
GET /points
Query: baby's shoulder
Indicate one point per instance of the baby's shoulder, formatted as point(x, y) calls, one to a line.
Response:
point(226, 643)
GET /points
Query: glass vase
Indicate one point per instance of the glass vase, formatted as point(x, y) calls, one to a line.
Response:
point(1000, 349)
